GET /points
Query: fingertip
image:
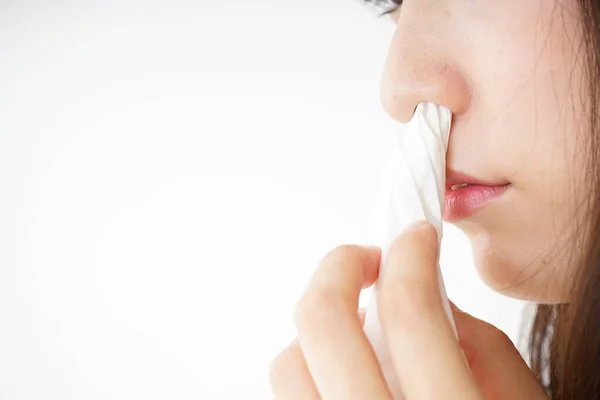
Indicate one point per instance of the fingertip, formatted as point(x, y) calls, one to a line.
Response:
point(374, 251)
point(417, 225)
point(371, 273)
point(420, 227)
point(410, 275)
point(420, 236)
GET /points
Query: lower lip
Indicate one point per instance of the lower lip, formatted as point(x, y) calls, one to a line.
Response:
point(463, 202)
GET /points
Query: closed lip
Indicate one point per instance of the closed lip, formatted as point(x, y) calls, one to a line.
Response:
point(458, 178)
point(466, 194)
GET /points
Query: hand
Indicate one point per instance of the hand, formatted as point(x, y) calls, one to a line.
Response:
point(332, 359)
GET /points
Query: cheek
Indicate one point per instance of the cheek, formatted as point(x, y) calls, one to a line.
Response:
point(552, 182)
point(526, 248)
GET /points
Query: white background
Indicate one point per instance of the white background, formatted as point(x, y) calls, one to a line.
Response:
point(170, 175)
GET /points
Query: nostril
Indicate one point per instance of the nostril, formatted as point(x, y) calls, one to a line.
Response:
point(410, 79)
point(396, 104)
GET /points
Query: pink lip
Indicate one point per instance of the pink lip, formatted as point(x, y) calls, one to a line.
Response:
point(463, 202)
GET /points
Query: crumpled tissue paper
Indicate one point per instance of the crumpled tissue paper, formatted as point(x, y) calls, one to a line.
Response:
point(414, 189)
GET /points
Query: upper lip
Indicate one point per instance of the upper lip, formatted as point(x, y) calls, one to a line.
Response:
point(459, 178)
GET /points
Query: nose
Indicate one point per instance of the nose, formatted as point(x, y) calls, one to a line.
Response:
point(421, 62)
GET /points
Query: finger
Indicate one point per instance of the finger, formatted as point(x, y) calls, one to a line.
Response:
point(338, 355)
point(362, 313)
point(495, 363)
point(289, 376)
point(425, 352)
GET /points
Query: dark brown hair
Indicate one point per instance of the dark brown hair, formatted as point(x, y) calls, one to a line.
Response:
point(564, 344)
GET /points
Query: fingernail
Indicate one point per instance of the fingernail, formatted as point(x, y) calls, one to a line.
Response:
point(454, 307)
point(372, 247)
point(467, 363)
point(417, 225)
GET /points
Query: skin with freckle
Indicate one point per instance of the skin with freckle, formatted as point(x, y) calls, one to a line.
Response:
point(517, 118)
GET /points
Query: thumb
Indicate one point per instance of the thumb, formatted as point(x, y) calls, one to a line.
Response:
point(417, 332)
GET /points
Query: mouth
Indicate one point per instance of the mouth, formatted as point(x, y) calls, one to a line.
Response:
point(466, 194)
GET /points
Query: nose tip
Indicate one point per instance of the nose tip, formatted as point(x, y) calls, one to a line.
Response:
point(403, 88)
point(425, 63)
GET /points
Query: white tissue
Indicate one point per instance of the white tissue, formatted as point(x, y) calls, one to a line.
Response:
point(416, 179)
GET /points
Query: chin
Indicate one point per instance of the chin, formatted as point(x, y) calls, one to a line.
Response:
point(517, 268)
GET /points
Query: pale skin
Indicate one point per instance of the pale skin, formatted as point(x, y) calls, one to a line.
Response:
point(512, 74)
point(332, 359)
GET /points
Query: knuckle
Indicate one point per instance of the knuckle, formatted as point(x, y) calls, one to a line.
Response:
point(322, 300)
point(344, 253)
point(313, 310)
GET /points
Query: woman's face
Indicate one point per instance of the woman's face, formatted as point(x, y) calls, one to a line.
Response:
point(511, 72)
